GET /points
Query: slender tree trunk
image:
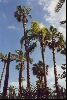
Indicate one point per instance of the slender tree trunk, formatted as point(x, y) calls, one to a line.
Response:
point(44, 67)
point(55, 69)
point(27, 52)
point(20, 81)
point(41, 78)
point(28, 73)
point(2, 73)
point(45, 79)
point(6, 77)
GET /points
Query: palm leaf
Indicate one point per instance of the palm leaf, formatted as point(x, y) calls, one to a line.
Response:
point(59, 5)
point(32, 47)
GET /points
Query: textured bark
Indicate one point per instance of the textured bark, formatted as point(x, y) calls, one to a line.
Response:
point(6, 77)
point(20, 81)
point(2, 73)
point(27, 51)
point(44, 67)
point(55, 69)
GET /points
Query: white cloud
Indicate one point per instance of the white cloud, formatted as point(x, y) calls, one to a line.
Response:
point(16, 84)
point(41, 25)
point(52, 17)
point(12, 27)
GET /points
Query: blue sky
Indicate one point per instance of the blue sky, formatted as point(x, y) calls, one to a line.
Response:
point(11, 31)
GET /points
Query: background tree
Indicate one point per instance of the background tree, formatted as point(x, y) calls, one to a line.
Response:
point(62, 50)
point(20, 67)
point(39, 72)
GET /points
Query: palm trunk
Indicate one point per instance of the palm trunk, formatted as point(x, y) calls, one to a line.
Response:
point(2, 73)
point(41, 78)
point(55, 69)
point(20, 81)
point(45, 79)
point(44, 67)
point(27, 51)
point(6, 77)
point(28, 75)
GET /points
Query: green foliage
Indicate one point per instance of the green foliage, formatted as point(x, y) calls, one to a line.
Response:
point(21, 12)
point(61, 41)
point(38, 69)
point(57, 40)
point(35, 27)
point(53, 30)
point(1, 55)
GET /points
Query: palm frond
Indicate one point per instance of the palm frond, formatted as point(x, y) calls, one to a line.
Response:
point(59, 5)
point(32, 47)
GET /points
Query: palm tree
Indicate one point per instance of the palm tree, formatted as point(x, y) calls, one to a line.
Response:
point(56, 43)
point(6, 77)
point(21, 15)
point(43, 35)
point(39, 72)
point(62, 50)
point(20, 67)
point(6, 59)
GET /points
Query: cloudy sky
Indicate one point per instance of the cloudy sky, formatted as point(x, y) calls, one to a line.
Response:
point(11, 32)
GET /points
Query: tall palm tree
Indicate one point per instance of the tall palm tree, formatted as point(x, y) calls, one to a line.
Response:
point(21, 15)
point(56, 43)
point(42, 35)
point(6, 77)
point(63, 52)
point(20, 67)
